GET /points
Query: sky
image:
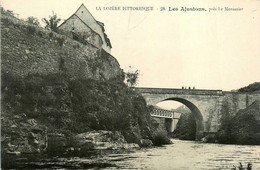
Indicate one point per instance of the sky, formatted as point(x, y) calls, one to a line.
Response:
point(171, 49)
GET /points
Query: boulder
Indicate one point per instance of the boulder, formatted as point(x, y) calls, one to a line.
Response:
point(56, 143)
point(20, 138)
point(101, 140)
point(146, 143)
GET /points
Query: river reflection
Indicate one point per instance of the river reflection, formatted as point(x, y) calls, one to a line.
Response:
point(180, 155)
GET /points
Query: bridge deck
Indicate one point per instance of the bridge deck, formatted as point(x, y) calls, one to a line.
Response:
point(178, 91)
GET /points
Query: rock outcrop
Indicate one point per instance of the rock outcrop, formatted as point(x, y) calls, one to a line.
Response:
point(21, 135)
point(102, 140)
point(243, 128)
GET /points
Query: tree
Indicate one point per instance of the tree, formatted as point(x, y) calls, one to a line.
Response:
point(33, 20)
point(131, 77)
point(52, 23)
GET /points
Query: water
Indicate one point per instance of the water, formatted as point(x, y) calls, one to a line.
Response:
point(193, 155)
point(180, 155)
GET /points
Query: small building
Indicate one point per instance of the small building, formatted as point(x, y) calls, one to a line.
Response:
point(82, 26)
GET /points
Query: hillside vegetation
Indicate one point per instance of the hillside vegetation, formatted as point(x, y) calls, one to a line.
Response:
point(186, 127)
point(254, 87)
point(243, 128)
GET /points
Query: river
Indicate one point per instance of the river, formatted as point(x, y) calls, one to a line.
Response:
point(180, 155)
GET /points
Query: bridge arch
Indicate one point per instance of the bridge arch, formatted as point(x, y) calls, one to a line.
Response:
point(205, 104)
point(194, 110)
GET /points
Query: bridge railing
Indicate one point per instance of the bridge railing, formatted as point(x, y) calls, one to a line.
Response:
point(157, 112)
point(165, 115)
point(178, 91)
point(162, 113)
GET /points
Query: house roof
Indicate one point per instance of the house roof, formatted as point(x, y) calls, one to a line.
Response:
point(89, 26)
point(101, 23)
point(82, 5)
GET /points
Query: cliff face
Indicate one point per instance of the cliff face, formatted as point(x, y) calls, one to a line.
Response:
point(27, 49)
point(54, 88)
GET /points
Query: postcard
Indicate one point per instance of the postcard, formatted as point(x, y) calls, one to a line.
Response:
point(130, 84)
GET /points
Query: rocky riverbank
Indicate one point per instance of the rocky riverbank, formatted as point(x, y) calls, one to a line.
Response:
point(60, 96)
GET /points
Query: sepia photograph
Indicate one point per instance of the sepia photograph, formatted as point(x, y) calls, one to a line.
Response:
point(130, 84)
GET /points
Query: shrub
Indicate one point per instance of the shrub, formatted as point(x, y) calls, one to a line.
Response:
point(160, 138)
point(51, 35)
point(31, 29)
point(40, 33)
point(33, 20)
point(60, 41)
point(6, 21)
point(240, 167)
point(132, 77)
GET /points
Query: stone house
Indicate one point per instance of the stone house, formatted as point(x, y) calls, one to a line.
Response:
point(82, 26)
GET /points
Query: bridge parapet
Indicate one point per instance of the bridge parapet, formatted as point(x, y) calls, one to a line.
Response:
point(178, 91)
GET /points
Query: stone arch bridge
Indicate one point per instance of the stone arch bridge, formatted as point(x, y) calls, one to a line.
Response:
point(206, 105)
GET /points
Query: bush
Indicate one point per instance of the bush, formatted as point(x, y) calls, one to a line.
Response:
point(40, 33)
point(33, 20)
point(160, 138)
point(243, 128)
point(6, 21)
point(51, 35)
point(31, 29)
point(60, 41)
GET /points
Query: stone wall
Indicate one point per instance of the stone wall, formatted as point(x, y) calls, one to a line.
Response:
point(27, 49)
point(75, 25)
point(237, 101)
